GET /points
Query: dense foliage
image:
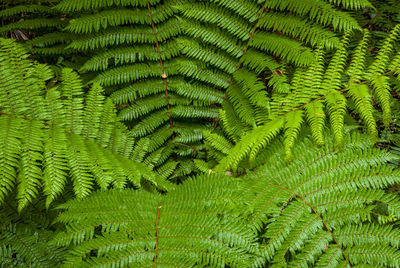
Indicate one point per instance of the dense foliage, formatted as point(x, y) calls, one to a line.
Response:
point(214, 133)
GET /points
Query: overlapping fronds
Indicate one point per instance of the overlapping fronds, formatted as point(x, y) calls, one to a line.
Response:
point(50, 136)
point(38, 25)
point(317, 92)
point(24, 238)
point(325, 209)
point(244, 42)
point(191, 226)
point(136, 42)
point(134, 46)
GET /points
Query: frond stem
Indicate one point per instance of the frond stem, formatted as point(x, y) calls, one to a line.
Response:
point(319, 216)
point(244, 52)
point(158, 217)
point(163, 75)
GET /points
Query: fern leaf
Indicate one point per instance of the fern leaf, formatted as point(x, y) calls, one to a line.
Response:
point(293, 124)
point(360, 94)
point(336, 105)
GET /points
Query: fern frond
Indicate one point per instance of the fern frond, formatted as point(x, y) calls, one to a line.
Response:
point(315, 211)
point(33, 24)
point(353, 4)
point(121, 56)
point(336, 106)
point(311, 205)
point(319, 11)
point(298, 28)
point(360, 94)
point(78, 5)
point(251, 144)
point(126, 74)
point(286, 48)
point(293, 124)
point(126, 35)
point(186, 233)
point(219, 16)
point(50, 144)
point(12, 11)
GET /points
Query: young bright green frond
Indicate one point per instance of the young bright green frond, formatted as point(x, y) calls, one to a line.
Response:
point(362, 98)
point(51, 138)
point(381, 89)
point(322, 91)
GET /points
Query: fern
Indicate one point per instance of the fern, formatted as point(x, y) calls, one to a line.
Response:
point(50, 135)
point(315, 93)
point(134, 46)
point(322, 200)
point(185, 227)
point(320, 210)
point(38, 25)
point(24, 238)
point(137, 42)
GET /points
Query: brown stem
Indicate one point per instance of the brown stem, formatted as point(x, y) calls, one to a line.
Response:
point(244, 52)
point(156, 248)
point(319, 216)
point(163, 75)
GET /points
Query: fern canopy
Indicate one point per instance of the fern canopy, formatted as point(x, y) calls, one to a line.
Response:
point(325, 209)
point(317, 93)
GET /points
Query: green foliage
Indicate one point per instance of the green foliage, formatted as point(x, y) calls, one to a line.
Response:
point(134, 46)
point(24, 238)
point(38, 25)
point(199, 86)
point(137, 42)
point(324, 208)
point(321, 210)
point(50, 136)
point(190, 226)
point(315, 93)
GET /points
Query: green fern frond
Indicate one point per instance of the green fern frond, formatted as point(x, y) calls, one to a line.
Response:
point(121, 56)
point(298, 28)
point(33, 24)
point(175, 229)
point(234, 25)
point(48, 138)
point(78, 5)
point(21, 245)
point(320, 91)
point(317, 10)
point(360, 94)
point(12, 11)
point(293, 123)
point(286, 48)
point(316, 211)
point(353, 4)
